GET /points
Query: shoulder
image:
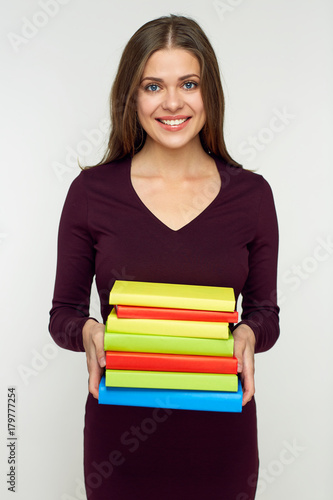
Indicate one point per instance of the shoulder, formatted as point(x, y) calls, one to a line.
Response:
point(110, 176)
point(106, 171)
point(258, 201)
point(255, 190)
point(241, 181)
point(247, 195)
point(256, 182)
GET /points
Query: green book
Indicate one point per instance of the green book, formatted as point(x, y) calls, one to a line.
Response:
point(179, 328)
point(171, 380)
point(142, 293)
point(172, 345)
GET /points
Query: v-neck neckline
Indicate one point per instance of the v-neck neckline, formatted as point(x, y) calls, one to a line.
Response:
point(159, 221)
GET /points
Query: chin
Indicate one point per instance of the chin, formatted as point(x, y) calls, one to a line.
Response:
point(178, 143)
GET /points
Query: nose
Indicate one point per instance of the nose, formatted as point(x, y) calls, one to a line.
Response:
point(172, 101)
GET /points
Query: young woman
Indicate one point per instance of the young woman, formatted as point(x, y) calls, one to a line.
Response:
point(168, 204)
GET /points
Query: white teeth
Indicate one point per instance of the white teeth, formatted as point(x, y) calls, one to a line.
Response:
point(173, 122)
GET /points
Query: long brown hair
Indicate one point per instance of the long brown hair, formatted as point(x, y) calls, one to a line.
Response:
point(127, 136)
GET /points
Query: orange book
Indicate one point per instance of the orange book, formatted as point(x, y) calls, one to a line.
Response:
point(175, 314)
point(120, 360)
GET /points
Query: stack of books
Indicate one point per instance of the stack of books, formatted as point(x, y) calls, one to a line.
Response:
point(170, 346)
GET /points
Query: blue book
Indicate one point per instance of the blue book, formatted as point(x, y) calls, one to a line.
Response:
point(172, 398)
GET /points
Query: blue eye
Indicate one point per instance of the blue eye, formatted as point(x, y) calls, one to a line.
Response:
point(190, 85)
point(153, 87)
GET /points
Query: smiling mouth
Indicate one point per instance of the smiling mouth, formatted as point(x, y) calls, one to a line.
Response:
point(173, 122)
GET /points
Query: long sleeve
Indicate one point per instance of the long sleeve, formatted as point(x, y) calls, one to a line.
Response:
point(104, 228)
point(75, 270)
point(259, 304)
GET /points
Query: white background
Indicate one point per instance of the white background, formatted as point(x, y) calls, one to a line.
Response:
point(275, 58)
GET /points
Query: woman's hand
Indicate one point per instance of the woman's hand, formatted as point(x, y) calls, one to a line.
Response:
point(93, 342)
point(244, 344)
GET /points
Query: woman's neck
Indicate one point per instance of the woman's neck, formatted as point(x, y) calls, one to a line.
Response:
point(173, 163)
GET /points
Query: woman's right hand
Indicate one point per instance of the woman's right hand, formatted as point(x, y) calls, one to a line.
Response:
point(93, 342)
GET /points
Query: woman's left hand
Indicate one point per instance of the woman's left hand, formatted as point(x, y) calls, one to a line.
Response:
point(244, 344)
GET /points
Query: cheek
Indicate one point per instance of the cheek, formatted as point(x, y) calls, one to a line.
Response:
point(145, 106)
point(200, 109)
point(197, 104)
point(201, 106)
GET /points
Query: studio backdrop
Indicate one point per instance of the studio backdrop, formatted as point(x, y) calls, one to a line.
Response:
point(58, 60)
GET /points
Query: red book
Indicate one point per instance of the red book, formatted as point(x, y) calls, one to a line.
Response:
point(176, 314)
point(120, 360)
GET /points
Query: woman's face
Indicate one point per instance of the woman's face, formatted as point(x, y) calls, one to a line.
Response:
point(169, 104)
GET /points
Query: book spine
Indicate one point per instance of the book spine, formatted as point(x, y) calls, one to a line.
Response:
point(171, 380)
point(170, 362)
point(171, 302)
point(136, 293)
point(172, 399)
point(168, 345)
point(199, 329)
point(123, 311)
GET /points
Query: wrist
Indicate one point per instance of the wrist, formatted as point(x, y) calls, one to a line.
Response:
point(245, 332)
point(89, 324)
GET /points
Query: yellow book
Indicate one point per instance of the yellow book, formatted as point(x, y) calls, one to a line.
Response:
point(132, 342)
point(171, 380)
point(142, 293)
point(179, 328)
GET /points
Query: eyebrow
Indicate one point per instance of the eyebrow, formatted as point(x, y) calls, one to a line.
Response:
point(161, 80)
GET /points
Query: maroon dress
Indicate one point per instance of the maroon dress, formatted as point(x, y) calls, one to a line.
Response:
point(106, 230)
